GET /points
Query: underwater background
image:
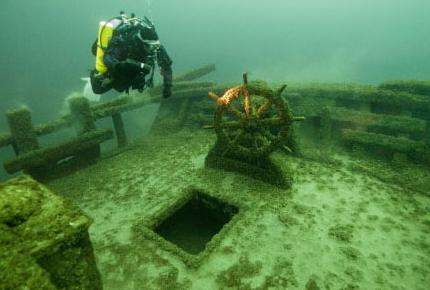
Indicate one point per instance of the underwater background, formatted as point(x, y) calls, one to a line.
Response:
point(343, 202)
point(45, 45)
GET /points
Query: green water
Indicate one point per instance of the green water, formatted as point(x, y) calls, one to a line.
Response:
point(350, 220)
point(45, 44)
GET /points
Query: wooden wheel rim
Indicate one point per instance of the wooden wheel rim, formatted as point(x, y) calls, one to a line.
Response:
point(283, 120)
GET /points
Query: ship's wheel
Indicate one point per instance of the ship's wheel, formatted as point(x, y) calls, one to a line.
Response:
point(252, 120)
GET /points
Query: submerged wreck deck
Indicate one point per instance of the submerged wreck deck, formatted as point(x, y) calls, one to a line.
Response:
point(163, 219)
point(337, 228)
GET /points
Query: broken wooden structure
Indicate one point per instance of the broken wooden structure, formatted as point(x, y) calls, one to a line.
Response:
point(391, 114)
point(85, 147)
point(387, 120)
point(44, 240)
point(382, 117)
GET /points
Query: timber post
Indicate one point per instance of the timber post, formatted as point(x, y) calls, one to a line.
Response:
point(84, 123)
point(22, 131)
point(118, 125)
point(427, 134)
point(326, 131)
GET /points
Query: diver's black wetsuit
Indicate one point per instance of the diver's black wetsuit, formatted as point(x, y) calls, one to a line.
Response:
point(122, 58)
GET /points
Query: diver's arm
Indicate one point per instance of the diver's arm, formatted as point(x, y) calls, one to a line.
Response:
point(165, 63)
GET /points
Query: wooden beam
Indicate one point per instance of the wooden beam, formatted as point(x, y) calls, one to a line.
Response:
point(117, 106)
point(375, 141)
point(111, 108)
point(377, 123)
point(53, 126)
point(180, 86)
point(51, 155)
point(195, 74)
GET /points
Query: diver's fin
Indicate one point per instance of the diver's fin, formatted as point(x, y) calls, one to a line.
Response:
point(88, 91)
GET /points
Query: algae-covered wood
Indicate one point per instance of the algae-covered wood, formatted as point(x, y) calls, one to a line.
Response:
point(44, 242)
point(51, 155)
point(410, 86)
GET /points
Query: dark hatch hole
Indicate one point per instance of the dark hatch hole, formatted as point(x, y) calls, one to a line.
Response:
point(193, 225)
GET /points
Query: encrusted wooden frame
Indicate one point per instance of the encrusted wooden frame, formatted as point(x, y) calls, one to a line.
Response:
point(146, 228)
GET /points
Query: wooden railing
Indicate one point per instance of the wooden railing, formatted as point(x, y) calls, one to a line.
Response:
point(23, 135)
point(378, 119)
point(366, 116)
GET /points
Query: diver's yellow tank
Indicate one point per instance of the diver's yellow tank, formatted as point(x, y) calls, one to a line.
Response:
point(106, 30)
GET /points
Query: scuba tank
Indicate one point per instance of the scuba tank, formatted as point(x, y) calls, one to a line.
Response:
point(123, 26)
point(106, 31)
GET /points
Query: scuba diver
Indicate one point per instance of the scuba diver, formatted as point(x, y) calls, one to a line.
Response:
point(127, 50)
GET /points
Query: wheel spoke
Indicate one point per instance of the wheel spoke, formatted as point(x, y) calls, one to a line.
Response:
point(264, 108)
point(299, 119)
point(281, 90)
point(235, 112)
point(213, 96)
point(288, 149)
point(247, 103)
point(270, 122)
point(231, 125)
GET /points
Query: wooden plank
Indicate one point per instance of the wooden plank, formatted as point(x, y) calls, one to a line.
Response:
point(50, 155)
point(108, 110)
point(379, 123)
point(118, 106)
point(409, 86)
point(132, 103)
point(363, 94)
point(181, 86)
point(374, 140)
point(53, 126)
point(41, 130)
point(195, 74)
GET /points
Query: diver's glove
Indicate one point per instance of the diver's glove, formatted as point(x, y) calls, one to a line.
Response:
point(126, 68)
point(167, 91)
point(145, 68)
point(139, 83)
point(131, 67)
